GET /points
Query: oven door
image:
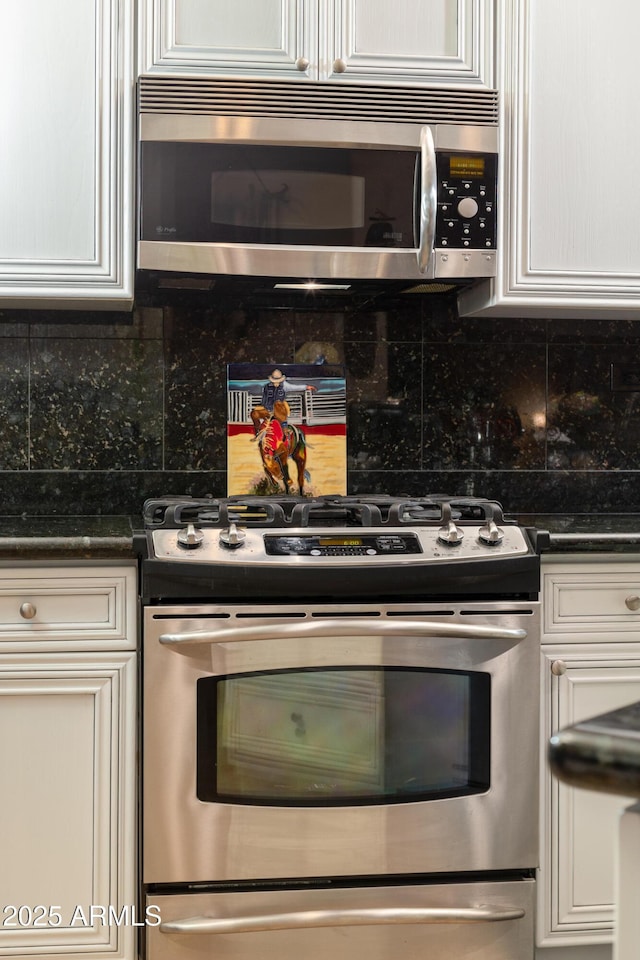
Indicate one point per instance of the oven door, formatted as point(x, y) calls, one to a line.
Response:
point(311, 741)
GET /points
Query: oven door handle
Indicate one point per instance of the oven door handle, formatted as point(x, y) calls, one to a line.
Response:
point(345, 628)
point(307, 919)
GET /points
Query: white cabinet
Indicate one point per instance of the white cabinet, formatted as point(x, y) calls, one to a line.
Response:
point(379, 41)
point(590, 665)
point(76, 608)
point(569, 208)
point(67, 763)
point(627, 935)
point(66, 163)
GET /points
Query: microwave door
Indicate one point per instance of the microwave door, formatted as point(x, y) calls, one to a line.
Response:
point(328, 208)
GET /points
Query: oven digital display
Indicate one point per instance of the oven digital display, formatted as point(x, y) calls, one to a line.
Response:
point(340, 541)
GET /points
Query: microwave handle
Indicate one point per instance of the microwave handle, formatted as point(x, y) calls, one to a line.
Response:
point(428, 199)
point(340, 918)
point(345, 628)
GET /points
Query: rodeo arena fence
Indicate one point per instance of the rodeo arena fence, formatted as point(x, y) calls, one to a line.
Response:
point(308, 407)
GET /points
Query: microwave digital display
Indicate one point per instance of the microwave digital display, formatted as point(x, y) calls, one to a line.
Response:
point(466, 166)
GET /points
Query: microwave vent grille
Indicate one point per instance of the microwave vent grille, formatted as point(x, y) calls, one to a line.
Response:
point(326, 101)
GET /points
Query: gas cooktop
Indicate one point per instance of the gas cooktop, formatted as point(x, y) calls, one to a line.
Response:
point(332, 544)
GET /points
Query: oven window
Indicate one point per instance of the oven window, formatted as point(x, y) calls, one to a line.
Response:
point(343, 735)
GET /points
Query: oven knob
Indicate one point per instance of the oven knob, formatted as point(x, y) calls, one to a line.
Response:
point(491, 533)
point(232, 537)
point(450, 534)
point(190, 537)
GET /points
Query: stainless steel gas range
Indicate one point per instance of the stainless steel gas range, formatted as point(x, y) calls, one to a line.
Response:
point(340, 703)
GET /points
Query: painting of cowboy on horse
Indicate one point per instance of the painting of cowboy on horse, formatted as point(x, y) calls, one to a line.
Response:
point(287, 415)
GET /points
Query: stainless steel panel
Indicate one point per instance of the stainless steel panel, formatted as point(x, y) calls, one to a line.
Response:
point(186, 840)
point(253, 553)
point(264, 260)
point(463, 264)
point(361, 134)
point(325, 263)
point(483, 921)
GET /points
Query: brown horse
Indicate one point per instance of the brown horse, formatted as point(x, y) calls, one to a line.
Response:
point(279, 442)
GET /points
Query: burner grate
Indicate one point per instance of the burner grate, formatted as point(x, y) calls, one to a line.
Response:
point(373, 510)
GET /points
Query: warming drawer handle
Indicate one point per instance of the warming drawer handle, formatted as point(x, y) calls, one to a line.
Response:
point(345, 628)
point(307, 919)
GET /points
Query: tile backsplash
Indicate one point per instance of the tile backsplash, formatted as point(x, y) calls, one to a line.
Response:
point(100, 411)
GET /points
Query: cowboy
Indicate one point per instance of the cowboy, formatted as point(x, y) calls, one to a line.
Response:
point(274, 389)
point(277, 387)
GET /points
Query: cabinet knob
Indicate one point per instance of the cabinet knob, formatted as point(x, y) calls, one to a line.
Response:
point(339, 65)
point(302, 64)
point(633, 603)
point(27, 611)
point(558, 667)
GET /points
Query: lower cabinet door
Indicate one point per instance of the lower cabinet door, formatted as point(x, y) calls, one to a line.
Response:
point(67, 805)
point(579, 827)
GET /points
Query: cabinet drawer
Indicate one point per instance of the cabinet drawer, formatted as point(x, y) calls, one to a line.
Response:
point(80, 608)
point(594, 605)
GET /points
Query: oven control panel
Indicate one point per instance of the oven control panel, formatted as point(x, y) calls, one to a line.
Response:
point(330, 545)
point(240, 545)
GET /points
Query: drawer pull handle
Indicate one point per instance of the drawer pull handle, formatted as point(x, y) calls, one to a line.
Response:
point(27, 611)
point(633, 603)
point(558, 668)
point(302, 64)
point(308, 919)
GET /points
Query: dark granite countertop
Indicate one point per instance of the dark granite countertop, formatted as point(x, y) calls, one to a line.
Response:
point(66, 537)
point(602, 753)
point(588, 532)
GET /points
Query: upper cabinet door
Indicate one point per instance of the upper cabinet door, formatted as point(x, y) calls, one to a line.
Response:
point(408, 41)
point(378, 41)
point(66, 162)
point(252, 38)
point(570, 207)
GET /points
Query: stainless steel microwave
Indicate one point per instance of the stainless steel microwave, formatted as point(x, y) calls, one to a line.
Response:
point(266, 179)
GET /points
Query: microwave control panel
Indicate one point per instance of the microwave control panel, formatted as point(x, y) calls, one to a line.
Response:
point(467, 188)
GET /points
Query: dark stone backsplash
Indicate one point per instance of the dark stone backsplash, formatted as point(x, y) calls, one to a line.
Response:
point(100, 411)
